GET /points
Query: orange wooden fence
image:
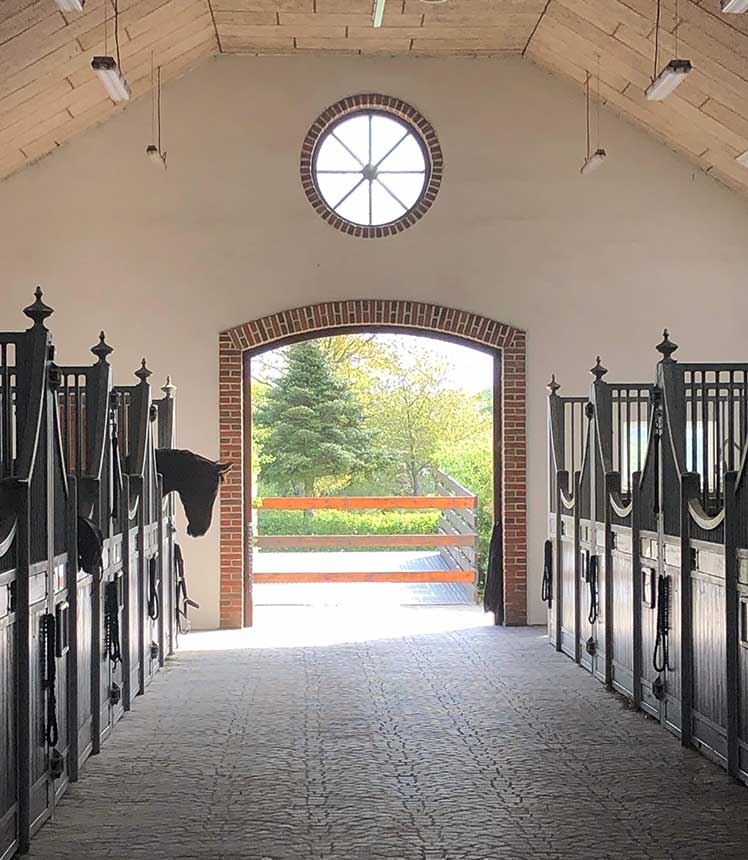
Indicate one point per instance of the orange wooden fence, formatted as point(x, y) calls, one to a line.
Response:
point(382, 503)
point(461, 563)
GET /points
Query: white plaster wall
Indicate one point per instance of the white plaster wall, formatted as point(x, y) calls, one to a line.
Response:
point(163, 262)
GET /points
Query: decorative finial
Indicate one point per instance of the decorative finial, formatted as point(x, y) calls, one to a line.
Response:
point(143, 373)
point(102, 349)
point(666, 347)
point(598, 371)
point(169, 388)
point(553, 386)
point(38, 312)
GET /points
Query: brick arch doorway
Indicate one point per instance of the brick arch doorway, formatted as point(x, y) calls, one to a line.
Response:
point(238, 344)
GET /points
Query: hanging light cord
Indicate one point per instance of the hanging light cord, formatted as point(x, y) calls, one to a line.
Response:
point(597, 106)
point(153, 99)
point(158, 107)
point(657, 41)
point(116, 33)
point(587, 87)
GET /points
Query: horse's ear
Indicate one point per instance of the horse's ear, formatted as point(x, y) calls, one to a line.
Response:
point(223, 468)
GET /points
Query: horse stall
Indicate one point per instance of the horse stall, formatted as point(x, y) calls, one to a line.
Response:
point(648, 534)
point(88, 595)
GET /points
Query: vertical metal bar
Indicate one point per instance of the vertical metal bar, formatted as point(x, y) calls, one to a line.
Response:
point(6, 404)
point(608, 606)
point(732, 621)
point(686, 618)
point(573, 432)
point(730, 464)
point(162, 560)
point(718, 433)
point(618, 422)
point(694, 421)
point(627, 434)
point(73, 632)
point(637, 587)
point(66, 423)
point(23, 680)
point(78, 431)
point(558, 564)
point(126, 632)
point(638, 433)
point(143, 652)
point(577, 568)
point(248, 573)
point(704, 443)
point(744, 411)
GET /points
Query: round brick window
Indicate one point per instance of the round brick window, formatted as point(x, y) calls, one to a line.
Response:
point(371, 165)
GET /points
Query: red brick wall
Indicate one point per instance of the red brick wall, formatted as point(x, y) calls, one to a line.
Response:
point(323, 319)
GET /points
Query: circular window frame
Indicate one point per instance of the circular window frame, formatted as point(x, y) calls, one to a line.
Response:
point(397, 110)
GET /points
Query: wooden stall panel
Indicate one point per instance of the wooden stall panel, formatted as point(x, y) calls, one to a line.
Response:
point(743, 669)
point(567, 590)
point(8, 739)
point(671, 706)
point(551, 613)
point(134, 615)
point(84, 634)
point(709, 714)
point(40, 799)
point(587, 628)
point(600, 633)
point(648, 571)
point(622, 635)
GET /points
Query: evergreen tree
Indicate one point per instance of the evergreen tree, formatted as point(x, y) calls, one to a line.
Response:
point(313, 423)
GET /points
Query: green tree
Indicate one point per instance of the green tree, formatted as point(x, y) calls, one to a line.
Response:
point(414, 411)
point(313, 424)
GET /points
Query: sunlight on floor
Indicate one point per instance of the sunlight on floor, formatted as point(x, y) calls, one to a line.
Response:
point(318, 626)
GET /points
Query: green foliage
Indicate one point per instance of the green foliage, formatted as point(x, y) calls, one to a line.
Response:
point(364, 522)
point(313, 423)
point(397, 395)
point(471, 464)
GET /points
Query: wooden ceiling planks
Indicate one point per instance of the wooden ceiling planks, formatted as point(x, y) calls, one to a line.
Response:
point(707, 116)
point(48, 92)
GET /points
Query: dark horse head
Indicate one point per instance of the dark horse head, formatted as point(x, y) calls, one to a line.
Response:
point(196, 479)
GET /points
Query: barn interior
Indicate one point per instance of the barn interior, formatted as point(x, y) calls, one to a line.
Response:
point(561, 184)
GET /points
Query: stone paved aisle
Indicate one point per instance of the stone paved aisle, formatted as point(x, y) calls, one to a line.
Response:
point(465, 744)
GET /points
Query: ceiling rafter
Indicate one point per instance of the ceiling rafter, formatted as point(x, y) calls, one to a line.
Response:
point(48, 92)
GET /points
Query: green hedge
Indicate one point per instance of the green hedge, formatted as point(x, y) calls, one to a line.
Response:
point(347, 523)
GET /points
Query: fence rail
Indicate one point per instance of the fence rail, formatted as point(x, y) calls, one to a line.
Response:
point(382, 503)
point(455, 541)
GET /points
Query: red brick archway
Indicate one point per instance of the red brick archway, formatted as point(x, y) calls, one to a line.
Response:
point(381, 314)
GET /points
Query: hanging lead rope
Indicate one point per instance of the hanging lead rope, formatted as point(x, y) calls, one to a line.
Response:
point(49, 640)
point(546, 591)
point(656, 464)
point(154, 609)
point(661, 655)
point(183, 602)
point(592, 583)
point(116, 474)
point(111, 622)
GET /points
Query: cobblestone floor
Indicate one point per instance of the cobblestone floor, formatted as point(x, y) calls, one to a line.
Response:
point(466, 744)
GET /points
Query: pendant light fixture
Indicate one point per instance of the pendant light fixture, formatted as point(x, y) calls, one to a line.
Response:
point(70, 5)
point(378, 12)
point(154, 152)
point(734, 6)
point(109, 70)
point(595, 159)
point(674, 73)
